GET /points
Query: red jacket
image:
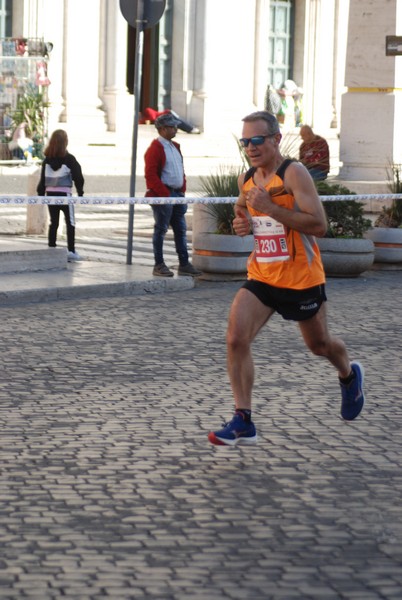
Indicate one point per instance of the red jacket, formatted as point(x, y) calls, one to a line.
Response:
point(155, 160)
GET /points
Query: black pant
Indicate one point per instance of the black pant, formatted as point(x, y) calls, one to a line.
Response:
point(54, 212)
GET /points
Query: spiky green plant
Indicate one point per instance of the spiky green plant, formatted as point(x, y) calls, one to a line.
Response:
point(391, 216)
point(222, 184)
point(289, 145)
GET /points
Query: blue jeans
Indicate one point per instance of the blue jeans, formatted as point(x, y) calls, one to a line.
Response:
point(317, 174)
point(173, 215)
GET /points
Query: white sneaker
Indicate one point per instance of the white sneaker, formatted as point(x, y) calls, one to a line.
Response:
point(73, 256)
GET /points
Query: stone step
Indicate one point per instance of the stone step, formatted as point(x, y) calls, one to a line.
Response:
point(24, 257)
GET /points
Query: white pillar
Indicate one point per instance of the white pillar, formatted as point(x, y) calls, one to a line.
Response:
point(52, 25)
point(206, 91)
point(81, 65)
point(372, 105)
point(318, 64)
point(188, 64)
point(118, 103)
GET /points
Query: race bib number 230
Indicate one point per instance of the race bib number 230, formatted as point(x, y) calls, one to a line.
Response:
point(270, 240)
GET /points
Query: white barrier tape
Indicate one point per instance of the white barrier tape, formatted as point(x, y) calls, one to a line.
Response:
point(362, 197)
point(96, 200)
point(115, 200)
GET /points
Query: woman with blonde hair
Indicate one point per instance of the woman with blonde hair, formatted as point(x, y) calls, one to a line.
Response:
point(59, 170)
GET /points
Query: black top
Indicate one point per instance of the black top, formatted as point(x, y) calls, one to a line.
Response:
point(56, 163)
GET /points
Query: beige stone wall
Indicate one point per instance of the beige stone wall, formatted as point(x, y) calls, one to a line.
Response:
point(371, 107)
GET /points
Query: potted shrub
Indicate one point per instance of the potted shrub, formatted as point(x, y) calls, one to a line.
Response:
point(31, 111)
point(344, 250)
point(216, 247)
point(387, 232)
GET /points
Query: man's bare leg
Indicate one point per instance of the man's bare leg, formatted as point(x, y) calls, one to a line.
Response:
point(351, 375)
point(247, 316)
point(319, 340)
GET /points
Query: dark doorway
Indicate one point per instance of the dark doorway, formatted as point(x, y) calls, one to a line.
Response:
point(156, 64)
point(149, 81)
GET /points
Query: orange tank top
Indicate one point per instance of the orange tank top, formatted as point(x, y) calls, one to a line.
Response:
point(282, 257)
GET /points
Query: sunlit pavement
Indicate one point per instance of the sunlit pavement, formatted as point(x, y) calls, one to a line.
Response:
point(109, 488)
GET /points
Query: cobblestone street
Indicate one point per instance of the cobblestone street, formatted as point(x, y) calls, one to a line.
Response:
point(109, 488)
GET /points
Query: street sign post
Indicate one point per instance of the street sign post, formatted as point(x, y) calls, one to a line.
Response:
point(151, 12)
point(140, 14)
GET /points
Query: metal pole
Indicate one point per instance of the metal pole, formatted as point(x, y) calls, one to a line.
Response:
point(137, 92)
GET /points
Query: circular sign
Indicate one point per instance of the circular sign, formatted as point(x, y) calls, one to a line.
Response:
point(152, 12)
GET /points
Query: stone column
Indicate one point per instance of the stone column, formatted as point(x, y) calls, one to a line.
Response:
point(50, 22)
point(372, 105)
point(118, 103)
point(188, 64)
point(81, 66)
point(318, 64)
point(200, 80)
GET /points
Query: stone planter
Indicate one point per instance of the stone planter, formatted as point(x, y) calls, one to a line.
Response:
point(346, 257)
point(216, 253)
point(388, 246)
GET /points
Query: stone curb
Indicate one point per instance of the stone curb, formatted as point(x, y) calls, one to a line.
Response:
point(102, 290)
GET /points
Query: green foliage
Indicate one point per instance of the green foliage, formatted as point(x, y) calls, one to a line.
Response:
point(332, 189)
point(395, 175)
point(345, 217)
point(222, 184)
point(391, 216)
point(31, 109)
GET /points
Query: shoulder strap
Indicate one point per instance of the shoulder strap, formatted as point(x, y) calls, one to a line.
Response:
point(280, 171)
point(282, 168)
point(249, 174)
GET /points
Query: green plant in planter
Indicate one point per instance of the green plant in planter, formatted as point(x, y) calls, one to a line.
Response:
point(391, 216)
point(31, 109)
point(345, 217)
point(222, 184)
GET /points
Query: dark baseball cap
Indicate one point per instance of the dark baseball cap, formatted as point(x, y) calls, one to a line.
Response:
point(166, 120)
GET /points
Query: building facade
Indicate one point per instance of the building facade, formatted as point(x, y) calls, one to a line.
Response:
point(211, 61)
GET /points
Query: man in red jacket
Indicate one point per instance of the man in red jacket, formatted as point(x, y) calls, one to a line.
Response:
point(165, 178)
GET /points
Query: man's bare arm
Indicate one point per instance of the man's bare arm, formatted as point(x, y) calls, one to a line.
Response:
point(241, 222)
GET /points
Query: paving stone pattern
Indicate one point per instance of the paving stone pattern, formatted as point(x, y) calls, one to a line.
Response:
point(109, 488)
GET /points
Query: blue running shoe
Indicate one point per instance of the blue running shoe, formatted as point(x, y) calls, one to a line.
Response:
point(352, 394)
point(237, 431)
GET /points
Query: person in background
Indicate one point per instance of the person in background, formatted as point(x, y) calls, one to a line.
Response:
point(165, 178)
point(60, 170)
point(21, 145)
point(314, 153)
point(149, 114)
point(279, 203)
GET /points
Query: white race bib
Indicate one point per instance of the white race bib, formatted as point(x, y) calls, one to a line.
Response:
point(270, 240)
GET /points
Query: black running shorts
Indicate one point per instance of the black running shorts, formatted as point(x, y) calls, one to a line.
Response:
point(293, 305)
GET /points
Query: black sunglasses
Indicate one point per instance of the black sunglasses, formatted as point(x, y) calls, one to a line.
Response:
point(256, 140)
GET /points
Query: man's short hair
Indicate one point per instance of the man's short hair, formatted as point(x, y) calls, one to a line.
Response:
point(264, 115)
